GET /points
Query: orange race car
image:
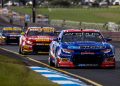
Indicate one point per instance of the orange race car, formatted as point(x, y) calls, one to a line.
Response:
point(36, 40)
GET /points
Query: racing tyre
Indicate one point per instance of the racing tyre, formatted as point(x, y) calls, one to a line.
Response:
point(20, 50)
point(113, 67)
point(7, 42)
point(56, 60)
point(56, 63)
point(50, 62)
point(18, 43)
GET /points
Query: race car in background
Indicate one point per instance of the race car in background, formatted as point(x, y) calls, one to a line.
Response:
point(2, 39)
point(36, 40)
point(81, 48)
point(11, 34)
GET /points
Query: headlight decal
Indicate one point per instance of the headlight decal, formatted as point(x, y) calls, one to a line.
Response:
point(67, 51)
point(28, 42)
point(106, 50)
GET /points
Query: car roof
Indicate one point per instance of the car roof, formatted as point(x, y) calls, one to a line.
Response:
point(81, 30)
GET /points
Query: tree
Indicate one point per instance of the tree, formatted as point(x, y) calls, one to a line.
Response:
point(63, 3)
point(108, 1)
point(23, 2)
point(76, 2)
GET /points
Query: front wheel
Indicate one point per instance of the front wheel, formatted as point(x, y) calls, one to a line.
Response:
point(56, 63)
point(56, 60)
point(20, 50)
point(50, 62)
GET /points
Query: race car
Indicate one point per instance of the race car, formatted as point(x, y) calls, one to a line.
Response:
point(81, 48)
point(2, 39)
point(36, 40)
point(12, 34)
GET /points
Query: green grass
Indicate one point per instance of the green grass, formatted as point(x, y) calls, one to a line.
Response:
point(14, 73)
point(98, 15)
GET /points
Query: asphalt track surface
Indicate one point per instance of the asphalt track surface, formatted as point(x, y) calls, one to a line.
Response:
point(105, 77)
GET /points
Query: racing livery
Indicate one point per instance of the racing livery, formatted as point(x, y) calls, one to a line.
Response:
point(12, 34)
point(81, 48)
point(36, 40)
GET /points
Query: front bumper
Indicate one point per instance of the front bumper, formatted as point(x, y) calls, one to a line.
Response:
point(36, 48)
point(66, 64)
point(41, 48)
point(12, 39)
point(88, 62)
point(27, 48)
point(103, 65)
point(108, 64)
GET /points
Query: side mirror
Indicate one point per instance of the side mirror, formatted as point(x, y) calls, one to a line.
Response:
point(23, 33)
point(56, 39)
point(108, 39)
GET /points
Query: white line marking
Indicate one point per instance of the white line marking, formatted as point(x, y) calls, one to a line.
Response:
point(52, 75)
point(35, 67)
point(42, 71)
point(64, 82)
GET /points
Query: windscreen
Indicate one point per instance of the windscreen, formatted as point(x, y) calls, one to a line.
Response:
point(10, 30)
point(41, 32)
point(82, 36)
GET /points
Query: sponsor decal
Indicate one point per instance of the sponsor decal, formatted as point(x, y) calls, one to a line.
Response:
point(42, 39)
point(83, 65)
point(44, 29)
point(41, 44)
point(73, 47)
point(87, 53)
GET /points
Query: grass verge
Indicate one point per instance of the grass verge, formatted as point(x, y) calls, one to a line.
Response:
point(13, 72)
point(98, 15)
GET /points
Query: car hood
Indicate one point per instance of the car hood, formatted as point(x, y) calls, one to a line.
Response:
point(86, 45)
point(40, 38)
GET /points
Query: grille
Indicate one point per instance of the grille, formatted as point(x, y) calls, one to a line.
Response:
point(87, 59)
point(38, 48)
point(12, 39)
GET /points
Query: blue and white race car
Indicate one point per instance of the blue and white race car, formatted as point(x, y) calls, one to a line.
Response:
point(81, 48)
